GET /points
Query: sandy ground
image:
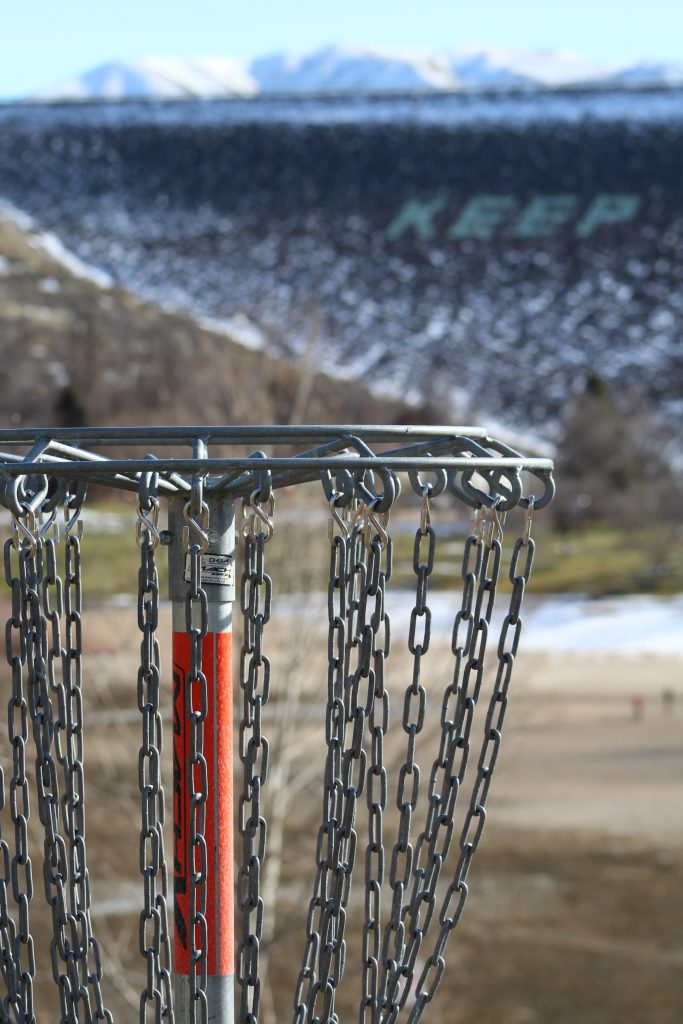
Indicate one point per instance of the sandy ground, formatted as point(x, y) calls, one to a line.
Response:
point(580, 755)
point(576, 894)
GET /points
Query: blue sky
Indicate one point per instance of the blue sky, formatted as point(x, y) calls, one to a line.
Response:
point(44, 41)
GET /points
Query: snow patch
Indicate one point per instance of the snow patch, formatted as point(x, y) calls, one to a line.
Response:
point(239, 328)
point(550, 68)
point(53, 248)
point(50, 286)
point(637, 624)
point(632, 625)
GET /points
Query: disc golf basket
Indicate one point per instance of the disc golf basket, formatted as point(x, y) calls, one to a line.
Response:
point(408, 888)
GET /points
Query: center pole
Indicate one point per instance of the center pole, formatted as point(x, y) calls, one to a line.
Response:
point(218, 581)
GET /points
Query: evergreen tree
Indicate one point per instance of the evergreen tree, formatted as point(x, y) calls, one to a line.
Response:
point(610, 465)
point(69, 409)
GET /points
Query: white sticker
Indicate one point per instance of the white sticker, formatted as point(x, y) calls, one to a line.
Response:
point(216, 569)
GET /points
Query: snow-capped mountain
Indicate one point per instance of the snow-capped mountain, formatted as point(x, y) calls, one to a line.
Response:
point(156, 78)
point(352, 69)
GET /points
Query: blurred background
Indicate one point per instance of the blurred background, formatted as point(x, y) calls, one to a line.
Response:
point(413, 213)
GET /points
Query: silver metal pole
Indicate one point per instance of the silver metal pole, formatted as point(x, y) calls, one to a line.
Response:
point(218, 581)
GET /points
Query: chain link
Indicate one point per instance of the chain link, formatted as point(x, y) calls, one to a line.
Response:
point(480, 572)
point(255, 602)
point(358, 643)
point(51, 695)
point(376, 640)
point(345, 565)
point(52, 722)
point(414, 707)
point(470, 837)
point(195, 541)
point(69, 735)
point(58, 725)
point(40, 713)
point(336, 842)
point(18, 957)
point(156, 1001)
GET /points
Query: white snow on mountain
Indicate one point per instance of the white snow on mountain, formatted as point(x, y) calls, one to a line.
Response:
point(349, 69)
point(550, 68)
point(486, 69)
point(156, 78)
point(356, 69)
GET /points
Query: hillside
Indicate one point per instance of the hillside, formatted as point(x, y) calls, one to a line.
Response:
point(483, 256)
point(72, 347)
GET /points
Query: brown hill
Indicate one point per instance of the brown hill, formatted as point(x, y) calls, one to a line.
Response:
point(74, 352)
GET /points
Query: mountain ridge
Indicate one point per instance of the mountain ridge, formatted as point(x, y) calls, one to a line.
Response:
point(352, 69)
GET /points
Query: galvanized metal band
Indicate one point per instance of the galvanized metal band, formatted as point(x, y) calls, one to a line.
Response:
point(220, 997)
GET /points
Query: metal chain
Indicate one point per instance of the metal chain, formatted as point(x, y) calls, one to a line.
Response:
point(68, 734)
point(360, 564)
point(348, 565)
point(155, 944)
point(414, 706)
point(195, 542)
point(377, 639)
point(47, 677)
point(70, 930)
point(255, 602)
point(55, 860)
point(30, 573)
point(18, 958)
point(508, 643)
point(480, 570)
point(325, 953)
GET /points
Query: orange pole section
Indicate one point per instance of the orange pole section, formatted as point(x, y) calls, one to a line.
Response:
point(217, 580)
point(218, 753)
